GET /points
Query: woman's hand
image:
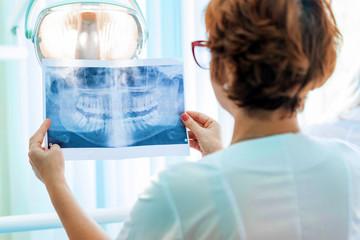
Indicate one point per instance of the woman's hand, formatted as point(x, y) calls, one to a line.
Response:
point(48, 165)
point(204, 134)
point(49, 168)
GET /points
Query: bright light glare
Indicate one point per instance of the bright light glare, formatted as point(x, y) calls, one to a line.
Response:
point(59, 32)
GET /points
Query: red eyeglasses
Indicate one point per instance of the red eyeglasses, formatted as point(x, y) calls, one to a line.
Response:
point(202, 54)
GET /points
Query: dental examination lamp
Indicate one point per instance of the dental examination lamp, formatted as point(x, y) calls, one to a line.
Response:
point(92, 30)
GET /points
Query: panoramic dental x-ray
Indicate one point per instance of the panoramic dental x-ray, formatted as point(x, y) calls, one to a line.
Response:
point(115, 107)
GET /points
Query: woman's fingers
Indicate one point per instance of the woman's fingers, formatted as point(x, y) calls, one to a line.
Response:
point(35, 171)
point(37, 139)
point(194, 144)
point(56, 150)
point(48, 166)
point(199, 117)
point(204, 132)
point(55, 147)
point(192, 135)
point(191, 124)
point(35, 152)
point(193, 141)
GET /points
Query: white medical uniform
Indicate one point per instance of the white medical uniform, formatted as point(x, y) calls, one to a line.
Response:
point(346, 127)
point(284, 187)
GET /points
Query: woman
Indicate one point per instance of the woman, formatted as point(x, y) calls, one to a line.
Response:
point(273, 182)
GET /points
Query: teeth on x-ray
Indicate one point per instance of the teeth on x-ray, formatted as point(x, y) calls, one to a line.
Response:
point(115, 107)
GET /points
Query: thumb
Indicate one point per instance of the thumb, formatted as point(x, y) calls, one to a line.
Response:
point(55, 148)
point(190, 123)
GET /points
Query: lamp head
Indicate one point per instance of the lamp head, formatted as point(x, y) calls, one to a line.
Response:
point(111, 30)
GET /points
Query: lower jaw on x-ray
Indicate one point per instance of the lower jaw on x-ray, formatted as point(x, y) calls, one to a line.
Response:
point(114, 107)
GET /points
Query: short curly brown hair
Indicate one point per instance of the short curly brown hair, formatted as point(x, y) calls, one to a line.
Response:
point(275, 49)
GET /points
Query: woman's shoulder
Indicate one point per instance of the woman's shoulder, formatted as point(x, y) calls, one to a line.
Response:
point(337, 148)
point(331, 143)
point(348, 151)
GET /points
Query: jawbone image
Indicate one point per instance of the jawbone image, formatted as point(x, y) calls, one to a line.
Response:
point(115, 104)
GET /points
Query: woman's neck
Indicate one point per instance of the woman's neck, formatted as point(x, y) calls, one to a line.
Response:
point(247, 128)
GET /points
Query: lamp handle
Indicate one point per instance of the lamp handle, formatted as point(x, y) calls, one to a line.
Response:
point(28, 31)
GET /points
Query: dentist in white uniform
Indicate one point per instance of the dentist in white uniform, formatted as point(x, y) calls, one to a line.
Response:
point(273, 182)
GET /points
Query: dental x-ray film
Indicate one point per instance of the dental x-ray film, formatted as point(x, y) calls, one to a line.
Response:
point(115, 109)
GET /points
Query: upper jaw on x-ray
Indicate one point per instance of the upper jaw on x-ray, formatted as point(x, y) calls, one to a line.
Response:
point(115, 107)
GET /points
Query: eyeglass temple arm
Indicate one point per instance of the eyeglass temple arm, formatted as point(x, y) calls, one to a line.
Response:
point(197, 44)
